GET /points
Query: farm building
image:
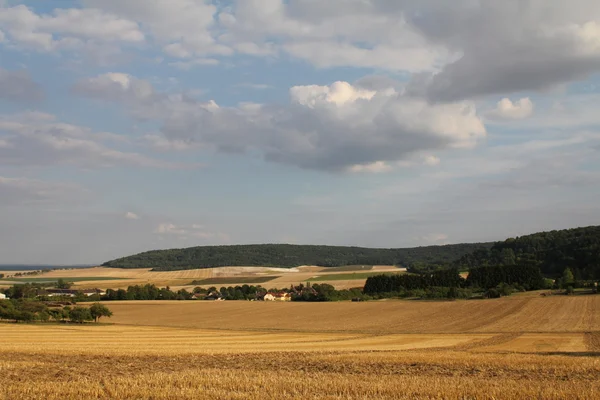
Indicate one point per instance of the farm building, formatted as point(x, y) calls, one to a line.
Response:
point(279, 296)
point(72, 292)
point(3, 296)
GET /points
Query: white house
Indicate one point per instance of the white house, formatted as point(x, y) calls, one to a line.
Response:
point(3, 296)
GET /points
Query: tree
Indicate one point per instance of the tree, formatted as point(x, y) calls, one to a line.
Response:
point(62, 284)
point(80, 315)
point(567, 277)
point(98, 311)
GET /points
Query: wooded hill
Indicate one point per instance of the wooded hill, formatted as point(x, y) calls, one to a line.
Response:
point(553, 252)
point(286, 255)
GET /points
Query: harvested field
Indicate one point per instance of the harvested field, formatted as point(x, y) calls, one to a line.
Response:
point(564, 314)
point(234, 280)
point(126, 362)
point(511, 348)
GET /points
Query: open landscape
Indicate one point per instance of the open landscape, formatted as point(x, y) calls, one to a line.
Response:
point(511, 348)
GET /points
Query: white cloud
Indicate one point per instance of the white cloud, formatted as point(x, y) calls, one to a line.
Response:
point(65, 29)
point(338, 93)
point(131, 215)
point(324, 127)
point(374, 167)
point(169, 229)
point(38, 139)
point(431, 160)
point(183, 27)
point(506, 109)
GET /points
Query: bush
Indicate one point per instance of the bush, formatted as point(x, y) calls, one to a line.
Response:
point(492, 294)
point(569, 290)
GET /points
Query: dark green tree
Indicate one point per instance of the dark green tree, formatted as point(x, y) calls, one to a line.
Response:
point(80, 315)
point(98, 310)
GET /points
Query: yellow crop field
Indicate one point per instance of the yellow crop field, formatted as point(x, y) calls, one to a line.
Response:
point(510, 348)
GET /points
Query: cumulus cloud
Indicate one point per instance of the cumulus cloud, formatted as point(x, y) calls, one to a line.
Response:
point(18, 86)
point(549, 43)
point(331, 127)
point(131, 215)
point(445, 45)
point(38, 139)
point(506, 109)
point(183, 27)
point(65, 29)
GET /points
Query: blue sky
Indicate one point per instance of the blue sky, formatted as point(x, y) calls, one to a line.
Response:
point(133, 125)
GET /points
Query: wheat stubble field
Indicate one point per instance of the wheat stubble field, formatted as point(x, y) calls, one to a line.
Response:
point(511, 348)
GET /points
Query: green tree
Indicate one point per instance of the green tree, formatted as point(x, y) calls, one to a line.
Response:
point(62, 284)
point(567, 277)
point(80, 315)
point(98, 311)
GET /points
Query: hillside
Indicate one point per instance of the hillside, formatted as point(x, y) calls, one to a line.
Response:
point(553, 251)
point(286, 255)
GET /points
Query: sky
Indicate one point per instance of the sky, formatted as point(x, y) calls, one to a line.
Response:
point(131, 125)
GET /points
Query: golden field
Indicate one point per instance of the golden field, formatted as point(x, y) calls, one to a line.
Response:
point(511, 348)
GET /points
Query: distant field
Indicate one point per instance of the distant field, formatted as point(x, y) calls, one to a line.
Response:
point(69, 279)
point(345, 277)
point(236, 280)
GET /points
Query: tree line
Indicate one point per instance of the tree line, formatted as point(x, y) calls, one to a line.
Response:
point(449, 283)
point(32, 311)
point(554, 251)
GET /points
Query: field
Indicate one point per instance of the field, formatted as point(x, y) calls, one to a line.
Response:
point(72, 279)
point(523, 347)
point(115, 278)
point(253, 280)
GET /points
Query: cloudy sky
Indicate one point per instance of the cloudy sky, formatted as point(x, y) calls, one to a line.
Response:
point(129, 125)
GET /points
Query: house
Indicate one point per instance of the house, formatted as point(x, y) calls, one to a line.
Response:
point(278, 296)
point(214, 296)
point(3, 296)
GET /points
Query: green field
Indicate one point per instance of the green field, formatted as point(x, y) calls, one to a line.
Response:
point(233, 279)
point(50, 280)
point(350, 268)
point(347, 277)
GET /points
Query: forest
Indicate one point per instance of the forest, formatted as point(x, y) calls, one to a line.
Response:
point(553, 252)
point(287, 256)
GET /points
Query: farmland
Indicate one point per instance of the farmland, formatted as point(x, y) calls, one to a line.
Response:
point(115, 278)
point(345, 276)
point(512, 348)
